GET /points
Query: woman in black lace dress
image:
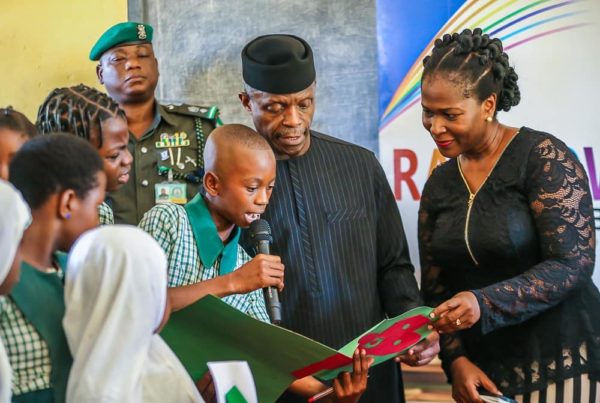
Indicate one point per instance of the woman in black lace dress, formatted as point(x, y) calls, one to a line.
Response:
point(506, 237)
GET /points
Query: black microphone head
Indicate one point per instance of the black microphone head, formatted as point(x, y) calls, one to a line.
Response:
point(260, 230)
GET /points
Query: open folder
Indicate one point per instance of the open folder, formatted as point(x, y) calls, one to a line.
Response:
point(211, 330)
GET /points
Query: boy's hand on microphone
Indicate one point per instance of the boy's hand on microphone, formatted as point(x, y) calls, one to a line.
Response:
point(262, 271)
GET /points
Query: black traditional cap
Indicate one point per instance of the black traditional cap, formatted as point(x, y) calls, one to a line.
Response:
point(279, 64)
point(120, 34)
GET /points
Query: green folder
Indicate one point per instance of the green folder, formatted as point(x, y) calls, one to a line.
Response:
point(211, 330)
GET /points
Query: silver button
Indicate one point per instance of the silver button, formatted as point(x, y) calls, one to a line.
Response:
point(144, 150)
point(144, 182)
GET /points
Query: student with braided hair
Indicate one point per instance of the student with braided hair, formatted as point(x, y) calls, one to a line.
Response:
point(506, 237)
point(15, 130)
point(97, 118)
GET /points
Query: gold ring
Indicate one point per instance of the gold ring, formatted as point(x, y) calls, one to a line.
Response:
point(457, 322)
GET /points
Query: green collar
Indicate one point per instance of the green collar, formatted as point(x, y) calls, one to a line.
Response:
point(210, 246)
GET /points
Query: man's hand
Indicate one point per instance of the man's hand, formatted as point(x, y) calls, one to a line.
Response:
point(423, 352)
point(262, 271)
point(466, 378)
point(458, 313)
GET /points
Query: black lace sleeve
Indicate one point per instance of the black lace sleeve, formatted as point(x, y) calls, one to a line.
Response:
point(432, 288)
point(560, 203)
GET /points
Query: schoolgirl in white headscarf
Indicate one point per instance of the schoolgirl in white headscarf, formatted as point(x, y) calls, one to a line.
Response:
point(14, 218)
point(115, 297)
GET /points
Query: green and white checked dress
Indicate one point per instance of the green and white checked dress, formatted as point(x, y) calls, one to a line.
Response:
point(169, 225)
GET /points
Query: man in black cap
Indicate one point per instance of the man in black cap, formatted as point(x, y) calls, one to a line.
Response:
point(334, 219)
point(166, 141)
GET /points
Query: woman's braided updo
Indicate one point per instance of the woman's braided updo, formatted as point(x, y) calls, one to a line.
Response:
point(477, 62)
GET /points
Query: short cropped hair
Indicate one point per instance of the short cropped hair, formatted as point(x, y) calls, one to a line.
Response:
point(47, 165)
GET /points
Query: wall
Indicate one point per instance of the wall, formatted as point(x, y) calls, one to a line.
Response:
point(198, 44)
point(45, 44)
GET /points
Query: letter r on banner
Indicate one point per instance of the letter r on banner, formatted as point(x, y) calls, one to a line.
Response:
point(405, 175)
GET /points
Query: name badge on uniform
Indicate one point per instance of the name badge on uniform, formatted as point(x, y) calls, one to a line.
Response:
point(173, 192)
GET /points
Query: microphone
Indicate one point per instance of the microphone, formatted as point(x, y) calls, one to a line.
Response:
point(260, 232)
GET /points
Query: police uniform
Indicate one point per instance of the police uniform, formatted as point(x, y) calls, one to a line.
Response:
point(174, 142)
point(170, 151)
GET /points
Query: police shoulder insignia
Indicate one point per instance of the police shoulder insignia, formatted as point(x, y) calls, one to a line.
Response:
point(204, 112)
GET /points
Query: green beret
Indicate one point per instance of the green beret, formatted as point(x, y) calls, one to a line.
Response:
point(279, 64)
point(124, 32)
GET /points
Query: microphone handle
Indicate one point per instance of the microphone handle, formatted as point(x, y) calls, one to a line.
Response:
point(271, 293)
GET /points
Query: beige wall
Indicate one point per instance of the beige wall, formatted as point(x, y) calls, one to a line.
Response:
point(45, 44)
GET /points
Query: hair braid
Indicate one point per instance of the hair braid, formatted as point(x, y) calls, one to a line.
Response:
point(479, 63)
point(79, 110)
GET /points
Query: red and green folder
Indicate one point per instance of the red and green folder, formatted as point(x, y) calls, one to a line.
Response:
point(211, 330)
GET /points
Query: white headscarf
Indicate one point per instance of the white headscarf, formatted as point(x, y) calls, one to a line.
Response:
point(14, 218)
point(115, 297)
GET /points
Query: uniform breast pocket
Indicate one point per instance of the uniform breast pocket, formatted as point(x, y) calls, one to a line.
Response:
point(350, 239)
point(346, 227)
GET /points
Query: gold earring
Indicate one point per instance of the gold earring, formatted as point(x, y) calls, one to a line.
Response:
point(489, 119)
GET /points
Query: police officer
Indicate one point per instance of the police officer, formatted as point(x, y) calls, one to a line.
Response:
point(166, 141)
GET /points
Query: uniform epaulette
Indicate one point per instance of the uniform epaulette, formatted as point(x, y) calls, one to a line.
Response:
point(204, 112)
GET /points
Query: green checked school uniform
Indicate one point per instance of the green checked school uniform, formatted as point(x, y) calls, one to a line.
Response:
point(32, 333)
point(195, 252)
point(105, 214)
